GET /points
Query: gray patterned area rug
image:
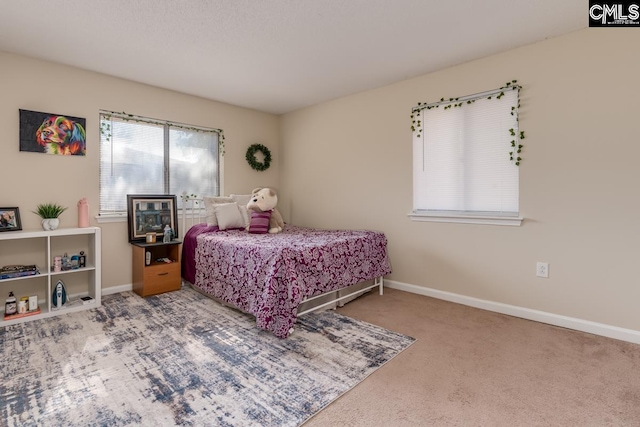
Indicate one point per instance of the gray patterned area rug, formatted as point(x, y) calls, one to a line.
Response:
point(181, 359)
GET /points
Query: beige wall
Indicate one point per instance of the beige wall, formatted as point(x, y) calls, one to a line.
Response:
point(32, 178)
point(347, 164)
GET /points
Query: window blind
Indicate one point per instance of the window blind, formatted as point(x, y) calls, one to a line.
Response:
point(143, 156)
point(461, 158)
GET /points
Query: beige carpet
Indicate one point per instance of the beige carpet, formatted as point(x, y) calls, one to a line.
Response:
point(471, 367)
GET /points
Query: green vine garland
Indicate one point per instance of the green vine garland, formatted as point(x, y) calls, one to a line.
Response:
point(516, 147)
point(251, 157)
point(105, 125)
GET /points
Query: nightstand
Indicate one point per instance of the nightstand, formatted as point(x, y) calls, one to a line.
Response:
point(158, 276)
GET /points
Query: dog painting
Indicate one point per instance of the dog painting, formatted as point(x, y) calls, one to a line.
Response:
point(52, 133)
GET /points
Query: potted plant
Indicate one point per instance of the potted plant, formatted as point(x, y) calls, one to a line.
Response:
point(49, 212)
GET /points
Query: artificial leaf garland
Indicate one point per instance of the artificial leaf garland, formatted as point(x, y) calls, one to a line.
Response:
point(416, 122)
point(105, 125)
point(251, 157)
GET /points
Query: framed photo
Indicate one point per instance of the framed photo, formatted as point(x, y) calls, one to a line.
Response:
point(150, 214)
point(10, 219)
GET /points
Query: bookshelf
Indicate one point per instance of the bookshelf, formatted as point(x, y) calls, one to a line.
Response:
point(39, 248)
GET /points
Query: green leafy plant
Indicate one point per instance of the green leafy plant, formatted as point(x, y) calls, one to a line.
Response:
point(186, 197)
point(49, 210)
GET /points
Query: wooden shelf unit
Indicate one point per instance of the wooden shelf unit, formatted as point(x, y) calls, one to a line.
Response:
point(44, 245)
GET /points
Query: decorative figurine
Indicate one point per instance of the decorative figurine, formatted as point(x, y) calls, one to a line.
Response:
point(168, 234)
point(57, 264)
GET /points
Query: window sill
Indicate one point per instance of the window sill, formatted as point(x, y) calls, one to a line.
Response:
point(514, 221)
point(107, 218)
point(103, 219)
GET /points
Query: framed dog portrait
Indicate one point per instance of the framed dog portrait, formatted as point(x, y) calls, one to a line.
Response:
point(51, 133)
point(10, 219)
point(150, 214)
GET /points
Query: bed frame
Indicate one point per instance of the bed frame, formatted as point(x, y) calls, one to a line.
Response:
point(193, 212)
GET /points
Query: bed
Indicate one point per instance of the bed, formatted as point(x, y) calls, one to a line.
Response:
point(271, 275)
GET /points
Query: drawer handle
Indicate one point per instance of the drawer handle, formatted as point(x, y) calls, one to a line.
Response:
point(163, 274)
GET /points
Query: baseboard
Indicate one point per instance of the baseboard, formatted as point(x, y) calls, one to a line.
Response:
point(609, 331)
point(116, 289)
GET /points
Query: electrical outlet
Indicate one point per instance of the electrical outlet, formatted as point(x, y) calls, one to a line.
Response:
point(542, 269)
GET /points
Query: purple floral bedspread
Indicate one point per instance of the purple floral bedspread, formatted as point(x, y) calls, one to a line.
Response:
point(268, 275)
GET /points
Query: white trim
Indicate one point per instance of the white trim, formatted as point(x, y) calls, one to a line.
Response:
point(601, 329)
point(220, 174)
point(466, 219)
point(117, 289)
point(107, 218)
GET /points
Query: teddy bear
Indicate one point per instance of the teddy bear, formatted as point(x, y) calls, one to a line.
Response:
point(264, 200)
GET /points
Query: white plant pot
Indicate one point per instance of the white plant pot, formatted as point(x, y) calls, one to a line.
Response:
point(49, 224)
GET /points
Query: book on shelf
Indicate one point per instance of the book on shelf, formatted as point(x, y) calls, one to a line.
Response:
point(18, 268)
point(15, 274)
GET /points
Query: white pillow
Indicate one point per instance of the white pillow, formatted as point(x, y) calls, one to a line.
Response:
point(209, 208)
point(229, 216)
point(242, 200)
point(246, 216)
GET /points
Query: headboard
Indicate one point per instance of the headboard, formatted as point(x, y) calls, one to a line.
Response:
point(194, 209)
point(192, 212)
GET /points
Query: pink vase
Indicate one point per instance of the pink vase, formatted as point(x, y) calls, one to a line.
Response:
point(83, 213)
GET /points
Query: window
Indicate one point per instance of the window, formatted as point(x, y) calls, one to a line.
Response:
point(145, 156)
point(462, 171)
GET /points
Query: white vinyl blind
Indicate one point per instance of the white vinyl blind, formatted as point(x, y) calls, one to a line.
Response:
point(461, 158)
point(193, 162)
point(143, 156)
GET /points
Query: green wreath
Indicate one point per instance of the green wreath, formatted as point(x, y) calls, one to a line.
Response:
point(251, 157)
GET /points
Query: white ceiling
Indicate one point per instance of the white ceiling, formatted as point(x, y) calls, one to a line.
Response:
point(277, 55)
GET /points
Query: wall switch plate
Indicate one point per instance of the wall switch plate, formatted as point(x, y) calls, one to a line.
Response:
point(542, 269)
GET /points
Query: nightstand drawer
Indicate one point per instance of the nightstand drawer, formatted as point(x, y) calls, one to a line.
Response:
point(162, 278)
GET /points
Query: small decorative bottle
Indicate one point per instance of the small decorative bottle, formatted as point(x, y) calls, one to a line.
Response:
point(57, 263)
point(166, 238)
point(11, 306)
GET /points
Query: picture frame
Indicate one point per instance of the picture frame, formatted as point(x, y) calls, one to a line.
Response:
point(10, 219)
point(150, 213)
point(52, 133)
